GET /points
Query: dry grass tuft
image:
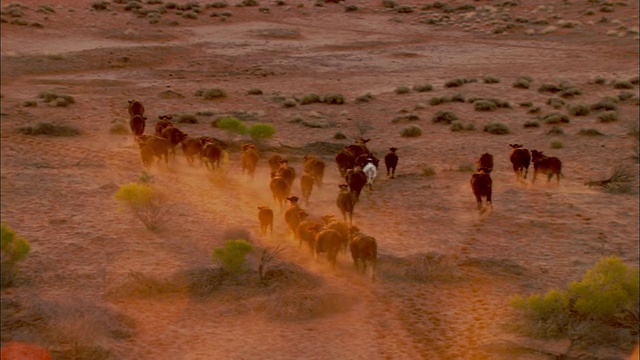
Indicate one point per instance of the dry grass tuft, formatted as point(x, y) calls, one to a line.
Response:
point(49, 129)
point(429, 267)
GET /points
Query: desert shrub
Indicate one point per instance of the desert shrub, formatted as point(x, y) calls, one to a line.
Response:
point(232, 255)
point(405, 118)
point(254, 91)
point(334, 98)
point(454, 83)
point(57, 100)
point(490, 80)
point(608, 116)
point(437, 101)
point(526, 104)
point(549, 89)
point(187, 119)
point(531, 124)
point(484, 105)
point(190, 15)
point(259, 132)
point(604, 104)
point(428, 171)
point(100, 6)
point(49, 129)
point(578, 109)
point(457, 126)
point(250, 3)
point(404, 9)
point(423, 88)
point(600, 80)
point(590, 132)
point(219, 4)
point(621, 181)
point(496, 128)
point(626, 95)
point(606, 299)
point(119, 128)
point(570, 92)
point(289, 103)
point(445, 117)
point(522, 82)
point(214, 93)
point(402, 90)
point(14, 249)
point(620, 84)
point(457, 98)
point(555, 130)
point(30, 103)
point(365, 98)
point(339, 136)
point(232, 125)
point(144, 202)
point(411, 131)
point(534, 110)
point(557, 144)
point(350, 8)
point(555, 118)
point(555, 103)
point(310, 99)
point(390, 4)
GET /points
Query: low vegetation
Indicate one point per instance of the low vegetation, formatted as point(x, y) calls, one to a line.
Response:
point(608, 116)
point(232, 255)
point(231, 125)
point(212, 94)
point(496, 128)
point(423, 88)
point(578, 109)
point(590, 132)
point(56, 99)
point(555, 118)
point(522, 82)
point(557, 144)
point(411, 131)
point(260, 132)
point(599, 309)
point(14, 250)
point(144, 202)
point(49, 129)
point(444, 117)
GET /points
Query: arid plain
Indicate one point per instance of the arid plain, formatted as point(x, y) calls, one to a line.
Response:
point(98, 284)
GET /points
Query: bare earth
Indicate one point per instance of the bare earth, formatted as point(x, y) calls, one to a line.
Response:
point(446, 273)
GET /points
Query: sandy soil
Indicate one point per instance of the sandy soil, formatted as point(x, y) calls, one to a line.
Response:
point(446, 273)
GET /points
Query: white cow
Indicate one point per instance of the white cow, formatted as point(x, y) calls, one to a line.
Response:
point(371, 172)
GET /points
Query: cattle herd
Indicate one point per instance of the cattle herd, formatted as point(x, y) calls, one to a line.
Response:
point(356, 164)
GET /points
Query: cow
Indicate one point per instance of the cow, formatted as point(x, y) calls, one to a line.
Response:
point(314, 167)
point(356, 180)
point(212, 154)
point(146, 154)
point(364, 251)
point(346, 202)
point(307, 230)
point(328, 242)
point(175, 137)
point(306, 185)
point(249, 158)
point(265, 216)
point(291, 214)
point(137, 124)
point(286, 172)
point(279, 189)
point(135, 108)
point(371, 171)
point(192, 147)
point(345, 160)
point(546, 165)
point(391, 162)
point(485, 162)
point(331, 222)
point(163, 123)
point(274, 162)
point(481, 188)
point(520, 159)
point(159, 145)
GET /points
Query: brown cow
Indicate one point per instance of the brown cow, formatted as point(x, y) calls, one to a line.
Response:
point(265, 216)
point(175, 137)
point(328, 242)
point(364, 250)
point(274, 162)
point(159, 145)
point(546, 165)
point(306, 186)
point(279, 189)
point(135, 108)
point(391, 162)
point(485, 162)
point(249, 158)
point(481, 187)
point(314, 167)
point(163, 123)
point(286, 172)
point(520, 159)
point(346, 202)
point(137, 124)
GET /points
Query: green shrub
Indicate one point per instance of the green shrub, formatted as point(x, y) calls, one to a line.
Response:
point(522, 82)
point(423, 88)
point(232, 255)
point(604, 104)
point(187, 119)
point(261, 131)
point(310, 99)
point(555, 118)
point(232, 125)
point(365, 98)
point(578, 109)
point(606, 298)
point(557, 144)
point(496, 128)
point(14, 249)
point(590, 132)
point(411, 131)
point(445, 117)
point(215, 93)
point(490, 80)
point(531, 124)
point(619, 84)
point(484, 105)
point(608, 116)
point(337, 99)
point(144, 202)
point(555, 130)
point(402, 90)
point(555, 103)
point(49, 129)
